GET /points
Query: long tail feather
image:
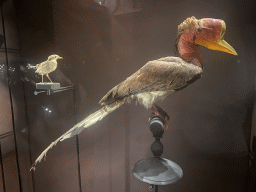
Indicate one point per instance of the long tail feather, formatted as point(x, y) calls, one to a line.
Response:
point(78, 128)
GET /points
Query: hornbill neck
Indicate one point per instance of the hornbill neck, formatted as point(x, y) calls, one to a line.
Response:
point(189, 51)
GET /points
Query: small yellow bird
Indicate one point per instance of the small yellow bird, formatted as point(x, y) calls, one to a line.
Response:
point(47, 66)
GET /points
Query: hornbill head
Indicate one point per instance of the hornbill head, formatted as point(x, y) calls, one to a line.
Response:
point(207, 32)
point(211, 35)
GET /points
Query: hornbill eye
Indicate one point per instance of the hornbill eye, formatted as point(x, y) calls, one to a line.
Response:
point(199, 29)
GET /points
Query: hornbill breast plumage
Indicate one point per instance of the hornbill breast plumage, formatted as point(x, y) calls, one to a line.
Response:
point(159, 78)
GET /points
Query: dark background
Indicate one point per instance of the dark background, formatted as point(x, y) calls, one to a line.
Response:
point(211, 120)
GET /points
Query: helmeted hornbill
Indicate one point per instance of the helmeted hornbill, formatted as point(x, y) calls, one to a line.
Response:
point(159, 78)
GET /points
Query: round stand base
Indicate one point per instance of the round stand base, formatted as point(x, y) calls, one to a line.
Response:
point(157, 171)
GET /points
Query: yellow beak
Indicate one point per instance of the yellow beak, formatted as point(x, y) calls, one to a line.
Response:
point(222, 45)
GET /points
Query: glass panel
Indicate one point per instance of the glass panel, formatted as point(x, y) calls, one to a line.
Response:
point(103, 42)
point(16, 84)
point(10, 163)
point(10, 26)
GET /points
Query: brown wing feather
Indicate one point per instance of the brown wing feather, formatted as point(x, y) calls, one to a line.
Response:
point(165, 74)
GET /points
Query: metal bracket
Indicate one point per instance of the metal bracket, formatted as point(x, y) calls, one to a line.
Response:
point(51, 88)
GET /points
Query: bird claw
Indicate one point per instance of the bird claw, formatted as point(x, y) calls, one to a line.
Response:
point(161, 113)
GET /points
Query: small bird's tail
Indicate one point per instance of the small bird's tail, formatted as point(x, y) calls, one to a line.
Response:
point(78, 128)
point(33, 67)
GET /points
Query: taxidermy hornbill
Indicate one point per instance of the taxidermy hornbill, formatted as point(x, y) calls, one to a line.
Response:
point(159, 78)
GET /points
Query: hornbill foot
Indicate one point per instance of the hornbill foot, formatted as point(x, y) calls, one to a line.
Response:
point(159, 112)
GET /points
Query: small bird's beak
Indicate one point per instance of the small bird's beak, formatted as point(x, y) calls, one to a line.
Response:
point(60, 57)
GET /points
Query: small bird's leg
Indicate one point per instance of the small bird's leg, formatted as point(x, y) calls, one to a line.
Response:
point(158, 111)
point(42, 78)
point(48, 77)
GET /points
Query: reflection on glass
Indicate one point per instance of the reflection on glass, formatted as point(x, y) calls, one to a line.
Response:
point(47, 110)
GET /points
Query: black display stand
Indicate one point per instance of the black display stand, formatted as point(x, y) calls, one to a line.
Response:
point(156, 170)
